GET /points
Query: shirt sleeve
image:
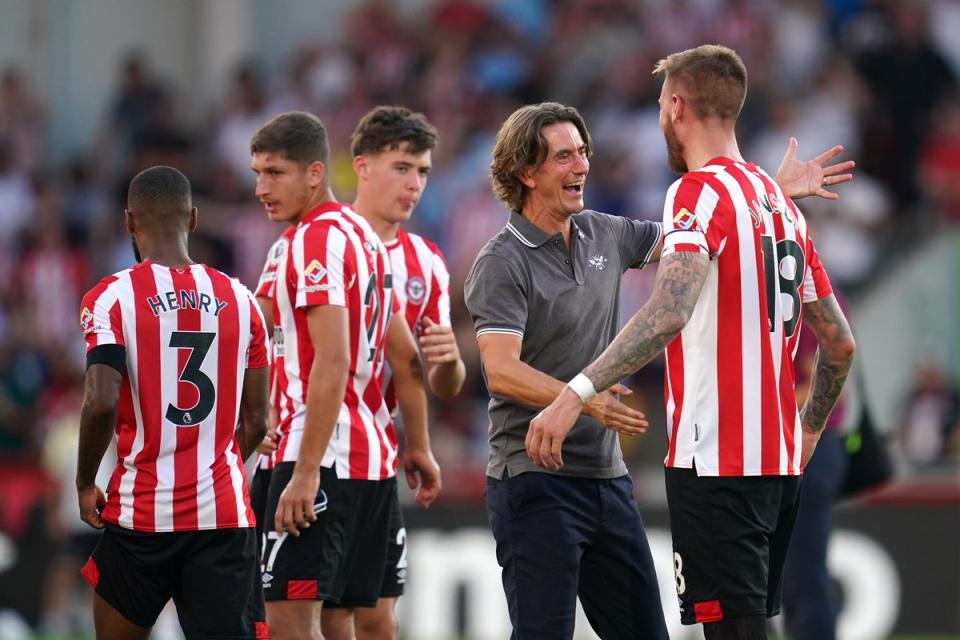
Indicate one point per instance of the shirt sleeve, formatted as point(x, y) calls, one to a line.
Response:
point(437, 307)
point(687, 213)
point(257, 349)
point(816, 283)
point(637, 240)
point(268, 277)
point(100, 318)
point(496, 297)
point(325, 265)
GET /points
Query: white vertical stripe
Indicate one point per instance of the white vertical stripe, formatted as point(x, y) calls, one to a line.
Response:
point(128, 311)
point(206, 439)
point(244, 300)
point(169, 375)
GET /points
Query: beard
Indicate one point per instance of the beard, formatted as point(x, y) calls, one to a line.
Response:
point(675, 149)
point(136, 251)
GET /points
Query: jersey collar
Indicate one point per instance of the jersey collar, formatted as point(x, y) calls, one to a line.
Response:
point(320, 209)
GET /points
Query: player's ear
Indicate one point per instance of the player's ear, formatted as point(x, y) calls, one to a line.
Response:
point(678, 107)
point(361, 166)
point(194, 220)
point(128, 221)
point(316, 173)
point(526, 178)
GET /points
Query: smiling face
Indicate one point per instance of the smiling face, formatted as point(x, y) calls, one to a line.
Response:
point(557, 184)
point(391, 182)
point(285, 188)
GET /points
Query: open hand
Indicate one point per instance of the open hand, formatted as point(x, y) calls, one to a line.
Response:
point(799, 179)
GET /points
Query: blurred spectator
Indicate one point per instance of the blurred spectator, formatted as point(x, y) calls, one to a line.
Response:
point(939, 166)
point(931, 417)
point(907, 75)
point(242, 112)
point(21, 120)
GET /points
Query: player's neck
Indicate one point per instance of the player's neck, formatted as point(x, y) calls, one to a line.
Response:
point(385, 229)
point(322, 196)
point(708, 143)
point(172, 254)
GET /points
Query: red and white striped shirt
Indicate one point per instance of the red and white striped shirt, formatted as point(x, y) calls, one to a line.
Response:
point(189, 336)
point(335, 258)
point(422, 285)
point(265, 289)
point(730, 403)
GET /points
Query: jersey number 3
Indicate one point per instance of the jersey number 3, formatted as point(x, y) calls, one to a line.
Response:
point(199, 344)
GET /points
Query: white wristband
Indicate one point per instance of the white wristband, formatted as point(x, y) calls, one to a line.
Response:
point(582, 386)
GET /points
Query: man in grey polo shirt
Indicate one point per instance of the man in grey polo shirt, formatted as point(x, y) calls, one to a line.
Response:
point(544, 297)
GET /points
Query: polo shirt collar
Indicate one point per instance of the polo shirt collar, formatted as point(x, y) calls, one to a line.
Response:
point(530, 234)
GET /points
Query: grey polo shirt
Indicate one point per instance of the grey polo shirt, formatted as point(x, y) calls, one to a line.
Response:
point(565, 306)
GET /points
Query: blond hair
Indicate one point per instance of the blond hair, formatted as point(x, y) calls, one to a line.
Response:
point(713, 77)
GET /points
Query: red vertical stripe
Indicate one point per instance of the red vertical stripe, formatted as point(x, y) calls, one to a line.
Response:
point(730, 390)
point(185, 455)
point(674, 376)
point(149, 394)
point(228, 351)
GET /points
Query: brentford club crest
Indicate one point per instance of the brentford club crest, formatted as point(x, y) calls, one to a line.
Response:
point(416, 289)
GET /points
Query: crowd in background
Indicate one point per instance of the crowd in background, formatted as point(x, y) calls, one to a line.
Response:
point(878, 77)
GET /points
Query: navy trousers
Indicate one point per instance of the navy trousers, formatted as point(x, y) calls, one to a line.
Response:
point(560, 537)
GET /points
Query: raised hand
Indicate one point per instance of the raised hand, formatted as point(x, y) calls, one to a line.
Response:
point(800, 179)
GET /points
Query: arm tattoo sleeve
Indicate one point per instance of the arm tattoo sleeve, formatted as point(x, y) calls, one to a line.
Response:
point(832, 362)
point(680, 278)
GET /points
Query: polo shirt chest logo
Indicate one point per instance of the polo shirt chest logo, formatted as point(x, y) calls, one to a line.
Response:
point(598, 262)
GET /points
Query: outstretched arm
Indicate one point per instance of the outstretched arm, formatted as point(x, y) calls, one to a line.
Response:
point(679, 280)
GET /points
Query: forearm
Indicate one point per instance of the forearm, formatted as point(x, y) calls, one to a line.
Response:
point(249, 434)
point(830, 372)
point(679, 281)
point(447, 378)
point(96, 430)
point(412, 402)
point(521, 383)
point(325, 392)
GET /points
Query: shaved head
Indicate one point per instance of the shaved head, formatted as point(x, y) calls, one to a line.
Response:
point(160, 197)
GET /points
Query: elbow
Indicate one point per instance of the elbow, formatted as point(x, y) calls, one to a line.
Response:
point(846, 348)
point(99, 408)
point(673, 322)
point(496, 383)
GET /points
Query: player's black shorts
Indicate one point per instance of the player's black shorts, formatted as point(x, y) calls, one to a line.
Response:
point(212, 577)
point(259, 487)
point(730, 537)
point(340, 557)
point(395, 569)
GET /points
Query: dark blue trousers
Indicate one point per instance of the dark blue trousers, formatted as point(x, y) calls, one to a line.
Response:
point(560, 537)
point(810, 598)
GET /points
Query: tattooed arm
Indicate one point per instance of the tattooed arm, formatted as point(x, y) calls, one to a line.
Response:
point(675, 291)
point(830, 367)
point(680, 278)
